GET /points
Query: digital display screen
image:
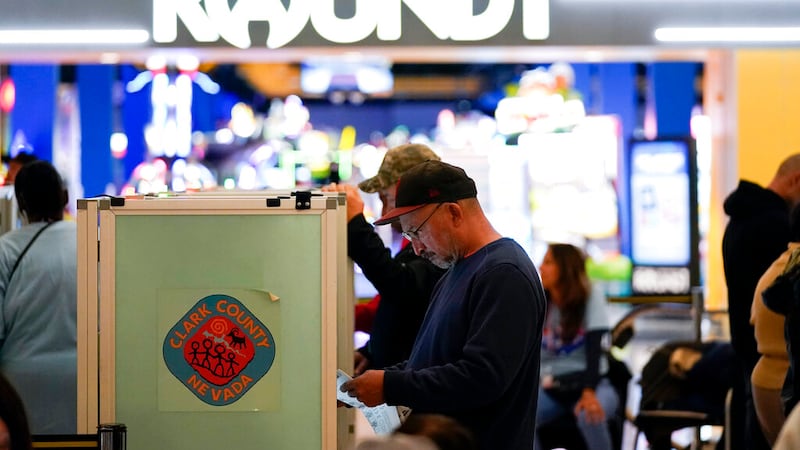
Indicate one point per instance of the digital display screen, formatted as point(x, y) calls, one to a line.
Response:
point(660, 203)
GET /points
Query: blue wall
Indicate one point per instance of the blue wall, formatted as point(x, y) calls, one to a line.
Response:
point(95, 86)
point(35, 109)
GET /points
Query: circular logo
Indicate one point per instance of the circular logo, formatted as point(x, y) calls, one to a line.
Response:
point(219, 350)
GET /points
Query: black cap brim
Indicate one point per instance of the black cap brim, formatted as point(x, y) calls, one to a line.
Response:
point(394, 214)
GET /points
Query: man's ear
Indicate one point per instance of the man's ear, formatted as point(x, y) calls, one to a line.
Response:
point(64, 198)
point(456, 212)
point(792, 187)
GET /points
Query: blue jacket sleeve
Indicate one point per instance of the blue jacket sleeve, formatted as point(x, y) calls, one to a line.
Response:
point(594, 352)
point(412, 277)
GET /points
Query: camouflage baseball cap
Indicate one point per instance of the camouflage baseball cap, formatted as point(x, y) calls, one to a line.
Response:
point(395, 163)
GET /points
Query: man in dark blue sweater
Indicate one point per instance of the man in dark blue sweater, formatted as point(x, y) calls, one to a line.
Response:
point(476, 358)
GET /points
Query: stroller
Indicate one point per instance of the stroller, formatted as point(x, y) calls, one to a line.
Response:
point(684, 384)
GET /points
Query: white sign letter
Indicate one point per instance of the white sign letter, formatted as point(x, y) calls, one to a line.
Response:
point(536, 19)
point(468, 27)
point(345, 31)
point(284, 25)
point(232, 25)
point(165, 20)
point(390, 25)
point(435, 14)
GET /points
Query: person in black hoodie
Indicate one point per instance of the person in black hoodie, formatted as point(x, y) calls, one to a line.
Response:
point(756, 234)
point(405, 281)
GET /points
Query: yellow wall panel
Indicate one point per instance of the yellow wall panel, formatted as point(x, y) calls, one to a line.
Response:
point(754, 100)
point(768, 90)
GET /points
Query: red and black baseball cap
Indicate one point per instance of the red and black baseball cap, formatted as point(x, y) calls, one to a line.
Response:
point(427, 183)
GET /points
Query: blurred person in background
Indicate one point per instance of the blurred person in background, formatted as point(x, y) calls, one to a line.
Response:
point(769, 373)
point(38, 302)
point(756, 234)
point(16, 163)
point(789, 437)
point(573, 361)
point(446, 432)
point(14, 431)
point(397, 442)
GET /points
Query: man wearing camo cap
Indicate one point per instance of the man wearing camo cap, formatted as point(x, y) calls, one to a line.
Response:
point(404, 282)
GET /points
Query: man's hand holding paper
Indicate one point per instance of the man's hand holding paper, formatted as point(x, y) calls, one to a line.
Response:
point(367, 387)
point(365, 392)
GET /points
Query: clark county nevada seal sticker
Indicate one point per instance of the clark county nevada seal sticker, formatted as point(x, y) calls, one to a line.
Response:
point(219, 350)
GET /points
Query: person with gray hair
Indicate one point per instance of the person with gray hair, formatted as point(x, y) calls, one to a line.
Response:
point(38, 302)
point(757, 233)
point(397, 442)
point(446, 432)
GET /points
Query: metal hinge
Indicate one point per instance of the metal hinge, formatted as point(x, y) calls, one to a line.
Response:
point(303, 199)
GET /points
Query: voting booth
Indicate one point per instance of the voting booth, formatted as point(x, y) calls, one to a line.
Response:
point(211, 321)
point(9, 211)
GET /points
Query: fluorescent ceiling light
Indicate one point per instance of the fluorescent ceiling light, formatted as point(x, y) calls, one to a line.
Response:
point(59, 37)
point(109, 58)
point(728, 34)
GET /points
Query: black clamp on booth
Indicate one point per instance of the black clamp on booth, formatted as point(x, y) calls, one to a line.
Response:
point(303, 199)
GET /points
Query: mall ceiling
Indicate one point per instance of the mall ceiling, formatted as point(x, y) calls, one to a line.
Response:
point(426, 73)
point(398, 55)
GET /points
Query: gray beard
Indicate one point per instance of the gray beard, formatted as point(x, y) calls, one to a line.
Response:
point(442, 263)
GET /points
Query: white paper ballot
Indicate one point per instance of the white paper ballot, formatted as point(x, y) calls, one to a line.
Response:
point(383, 418)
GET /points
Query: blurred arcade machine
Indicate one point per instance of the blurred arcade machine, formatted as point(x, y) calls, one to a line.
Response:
point(563, 165)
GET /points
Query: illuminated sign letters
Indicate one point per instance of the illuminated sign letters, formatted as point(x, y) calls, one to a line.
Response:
point(446, 19)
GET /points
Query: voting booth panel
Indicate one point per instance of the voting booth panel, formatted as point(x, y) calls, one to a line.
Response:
point(9, 211)
point(346, 299)
point(217, 320)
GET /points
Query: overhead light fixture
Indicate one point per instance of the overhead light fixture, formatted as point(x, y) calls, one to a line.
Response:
point(728, 34)
point(68, 37)
point(110, 58)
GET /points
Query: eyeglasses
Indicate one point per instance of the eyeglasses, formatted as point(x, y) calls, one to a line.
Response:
point(414, 234)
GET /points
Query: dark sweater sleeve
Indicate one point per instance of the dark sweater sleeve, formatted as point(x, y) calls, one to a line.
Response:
point(404, 282)
point(594, 351)
point(388, 275)
point(364, 350)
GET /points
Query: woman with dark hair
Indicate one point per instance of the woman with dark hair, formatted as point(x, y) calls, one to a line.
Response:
point(38, 302)
point(573, 363)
